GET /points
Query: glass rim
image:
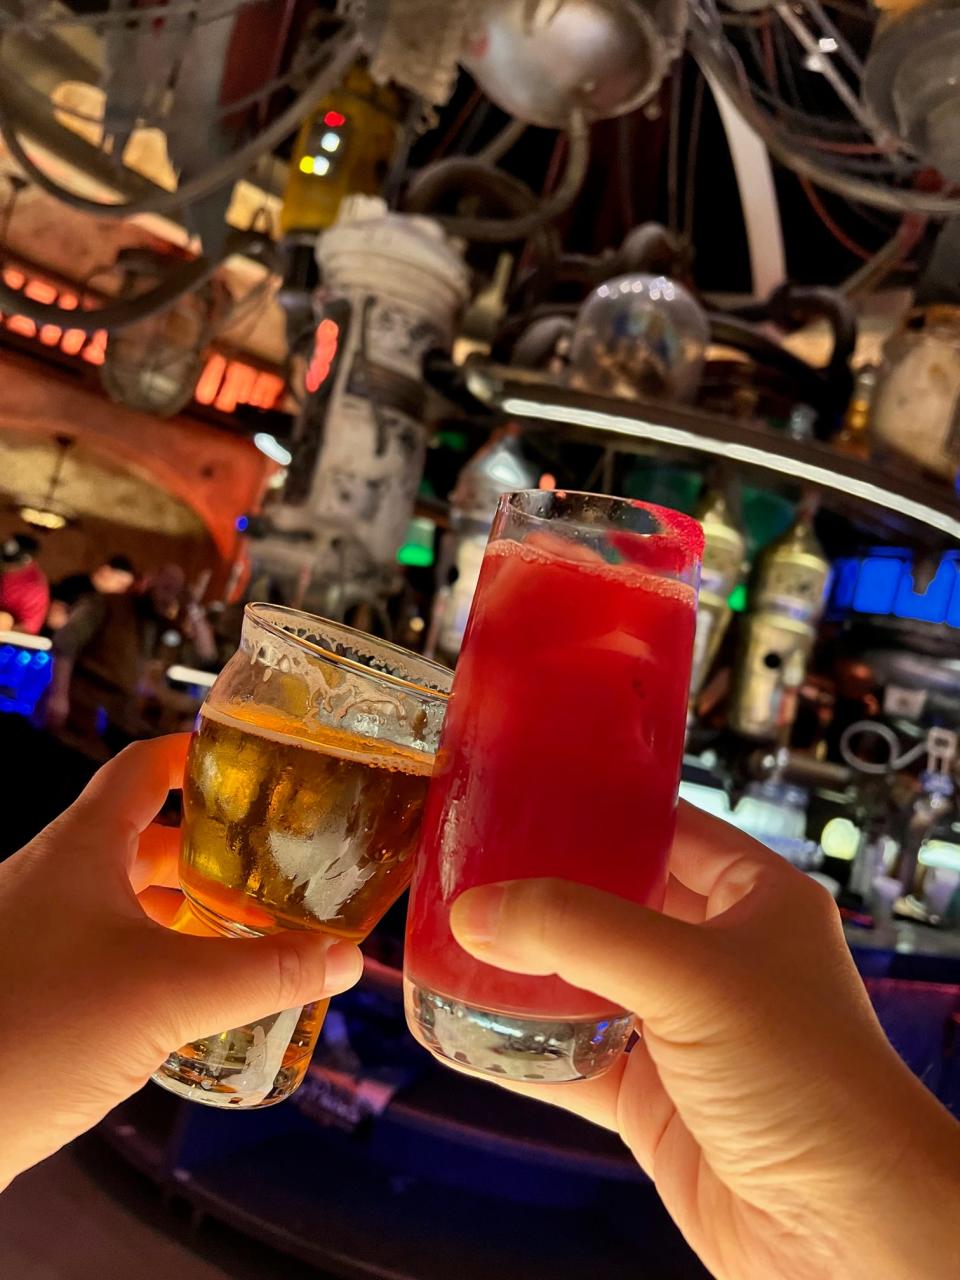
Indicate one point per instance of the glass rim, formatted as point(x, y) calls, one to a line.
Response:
point(257, 611)
point(676, 526)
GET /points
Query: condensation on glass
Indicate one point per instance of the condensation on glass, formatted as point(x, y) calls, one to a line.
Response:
point(302, 801)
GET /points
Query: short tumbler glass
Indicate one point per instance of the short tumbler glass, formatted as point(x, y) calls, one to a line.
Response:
point(302, 801)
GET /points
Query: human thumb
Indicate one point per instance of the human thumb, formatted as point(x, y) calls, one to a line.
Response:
point(646, 962)
point(214, 984)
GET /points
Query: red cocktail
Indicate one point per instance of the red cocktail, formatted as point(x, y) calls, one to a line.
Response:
point(560, 756)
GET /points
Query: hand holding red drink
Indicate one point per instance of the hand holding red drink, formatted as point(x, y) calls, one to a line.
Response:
point(560, 756)
point(761, 1076)
point(785, 1136)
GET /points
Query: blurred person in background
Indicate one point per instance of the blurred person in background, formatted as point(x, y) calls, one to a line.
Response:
point(185, 636)
point(115, 577)
point(110, 660)
point(24, 590)
point(188, 637)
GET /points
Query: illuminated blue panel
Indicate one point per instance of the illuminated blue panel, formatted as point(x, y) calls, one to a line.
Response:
point(932, 606)
point(845, 574)
point(953, 611)
point(881, 583)
point(24, 676)
point(877, 585)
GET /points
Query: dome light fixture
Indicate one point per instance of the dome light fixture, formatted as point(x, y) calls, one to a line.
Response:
point(42, 518)
point(44, 512)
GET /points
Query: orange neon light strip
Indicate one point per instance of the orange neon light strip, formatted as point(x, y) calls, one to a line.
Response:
point(224, 383)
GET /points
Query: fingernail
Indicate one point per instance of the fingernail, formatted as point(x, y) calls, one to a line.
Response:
point(344, 965)
point(475, 916)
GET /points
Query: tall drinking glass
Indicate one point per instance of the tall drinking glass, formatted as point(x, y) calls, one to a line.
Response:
point(560, 756)
point(302, 801)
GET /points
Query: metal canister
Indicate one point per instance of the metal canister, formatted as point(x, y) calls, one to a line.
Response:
point(499, 467)
point(393, 285)
point(723, 553)
point(779, 632)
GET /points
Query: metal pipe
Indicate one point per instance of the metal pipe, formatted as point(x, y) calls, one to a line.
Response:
point(499, 230)
point(118, 315)
point(710, 51)
point(159, 200)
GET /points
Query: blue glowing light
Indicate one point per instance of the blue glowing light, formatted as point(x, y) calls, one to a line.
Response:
point(882, 584)
point(26, 673)
point(242, 523)
point(845, 574)
point(877, 585)
point(953, 613)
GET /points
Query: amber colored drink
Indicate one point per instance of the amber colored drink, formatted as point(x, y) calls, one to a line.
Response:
point(285, 831)
point(303, 795)
point(560, 756)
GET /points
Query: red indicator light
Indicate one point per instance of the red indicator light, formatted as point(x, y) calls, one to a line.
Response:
point(334, 119)
point(324, 350)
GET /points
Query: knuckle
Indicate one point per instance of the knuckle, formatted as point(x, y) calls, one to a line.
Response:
point(290, 972)
point(819, 901)
point(551, 908)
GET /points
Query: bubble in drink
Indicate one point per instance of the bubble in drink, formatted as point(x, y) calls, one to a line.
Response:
point(297, 826)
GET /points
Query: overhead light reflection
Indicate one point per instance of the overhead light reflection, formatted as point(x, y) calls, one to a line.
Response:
point(274, 450)
point(682, 438)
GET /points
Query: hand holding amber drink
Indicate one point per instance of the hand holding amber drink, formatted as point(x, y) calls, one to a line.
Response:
point(302, 803)
point(560, 757)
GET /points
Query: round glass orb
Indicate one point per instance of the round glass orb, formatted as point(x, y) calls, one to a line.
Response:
point(640, 336)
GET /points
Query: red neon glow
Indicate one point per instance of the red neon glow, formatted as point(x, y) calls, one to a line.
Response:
point(72, 342)
point(236, 388)
point(96, 349)
point(324, 351)
point(223, 383)
point(20, 324)
point(40, 291)
point(208, 384)
point(267, 390)
point(334, 119)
